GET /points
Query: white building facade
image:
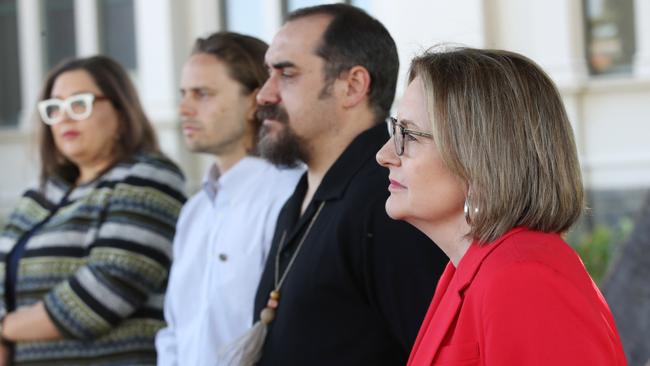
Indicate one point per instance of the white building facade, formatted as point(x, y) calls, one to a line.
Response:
point(599, 57)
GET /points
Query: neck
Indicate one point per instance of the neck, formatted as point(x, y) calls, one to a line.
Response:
point(325, 151)
point(89, 172)
point(450, 237)
point(226, 161)
point(314, 180)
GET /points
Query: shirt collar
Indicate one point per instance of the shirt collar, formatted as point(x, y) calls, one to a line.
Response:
point(362, 148)
point(214, 181)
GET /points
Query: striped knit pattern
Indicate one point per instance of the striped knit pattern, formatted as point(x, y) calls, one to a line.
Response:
point(100, 263)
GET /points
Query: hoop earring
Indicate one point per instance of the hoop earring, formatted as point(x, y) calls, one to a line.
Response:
point(467, 208)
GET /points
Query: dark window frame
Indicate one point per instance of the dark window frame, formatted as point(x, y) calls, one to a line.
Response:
point(129, 60)
point(11, 103)
point(622, 63)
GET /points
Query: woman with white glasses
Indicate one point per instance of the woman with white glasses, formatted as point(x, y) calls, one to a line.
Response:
point(482, 160)
point(84, 257)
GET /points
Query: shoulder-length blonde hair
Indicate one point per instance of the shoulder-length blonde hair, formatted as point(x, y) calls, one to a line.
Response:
point(135, 131)
point(500, 125)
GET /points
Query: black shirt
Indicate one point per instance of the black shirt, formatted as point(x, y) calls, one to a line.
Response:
point(361, 284)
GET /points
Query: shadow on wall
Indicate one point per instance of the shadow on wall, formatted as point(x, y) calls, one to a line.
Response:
point(627, 287)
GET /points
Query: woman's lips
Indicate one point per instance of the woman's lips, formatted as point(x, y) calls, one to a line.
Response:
point(70, 134)
point(395, 185)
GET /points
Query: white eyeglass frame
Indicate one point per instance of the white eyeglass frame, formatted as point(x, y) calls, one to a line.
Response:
point(88, 98)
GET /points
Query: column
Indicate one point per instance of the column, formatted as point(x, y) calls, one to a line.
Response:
point(86, 27)
point(642, 24)
point(31, 56)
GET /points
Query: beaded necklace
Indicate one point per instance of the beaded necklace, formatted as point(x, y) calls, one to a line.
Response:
point(268, 313)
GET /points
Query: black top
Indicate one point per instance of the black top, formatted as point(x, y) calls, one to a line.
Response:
point(362, 282)
point(12, 260)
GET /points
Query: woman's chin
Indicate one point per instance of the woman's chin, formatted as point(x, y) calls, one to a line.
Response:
point(394, 211)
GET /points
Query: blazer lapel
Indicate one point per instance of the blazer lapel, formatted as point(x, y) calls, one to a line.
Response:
point(444, 307)
point(442, 311)
point(448, 301)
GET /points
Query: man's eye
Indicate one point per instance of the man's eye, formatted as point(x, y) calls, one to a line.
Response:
point(203, 93)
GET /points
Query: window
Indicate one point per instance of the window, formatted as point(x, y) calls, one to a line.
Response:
point(363, 4)
point(290, 5)
point(251, 16)
point(117, 31)
point(59, 40)
point(297, 4)
point(10, 98)
point(245, 16)
point(610, 37)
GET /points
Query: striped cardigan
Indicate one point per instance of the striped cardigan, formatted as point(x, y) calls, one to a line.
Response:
point(99, 262)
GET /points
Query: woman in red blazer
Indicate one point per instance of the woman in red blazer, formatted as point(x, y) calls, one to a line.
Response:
point(482, 159)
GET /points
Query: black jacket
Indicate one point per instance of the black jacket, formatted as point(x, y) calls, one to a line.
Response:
point(361, 284)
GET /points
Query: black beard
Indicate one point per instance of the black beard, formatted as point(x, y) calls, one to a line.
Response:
point(287, 149)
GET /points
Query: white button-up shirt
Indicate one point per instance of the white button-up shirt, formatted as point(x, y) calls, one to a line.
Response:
point(222, 240)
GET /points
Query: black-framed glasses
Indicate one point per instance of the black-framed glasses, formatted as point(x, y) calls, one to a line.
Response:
point(77, 107)
point(400, 137)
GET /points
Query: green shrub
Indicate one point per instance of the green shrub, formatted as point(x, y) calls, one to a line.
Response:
point(596, 247)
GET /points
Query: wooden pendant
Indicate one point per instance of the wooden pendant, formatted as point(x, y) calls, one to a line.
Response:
point(267, 315)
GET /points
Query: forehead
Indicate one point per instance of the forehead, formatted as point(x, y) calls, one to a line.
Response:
point(297, 39)
point(203, 68)
point(413, 105)
point(73, 82)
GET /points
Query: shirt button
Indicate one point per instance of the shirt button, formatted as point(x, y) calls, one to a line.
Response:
point(223, 257)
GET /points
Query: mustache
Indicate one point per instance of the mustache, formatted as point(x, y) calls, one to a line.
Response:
point(272, 111)
point(189, 121)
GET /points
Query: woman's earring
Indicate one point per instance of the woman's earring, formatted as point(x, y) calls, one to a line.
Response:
point(467, 208)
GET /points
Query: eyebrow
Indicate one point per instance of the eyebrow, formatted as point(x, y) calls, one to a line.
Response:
point(197, 88)
point(407, 123)
point(283, 65)
point(75, 93)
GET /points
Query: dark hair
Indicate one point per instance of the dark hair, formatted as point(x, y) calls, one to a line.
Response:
point(354, 38)
point(244, 58)
point(135, 131)
point(500, 125)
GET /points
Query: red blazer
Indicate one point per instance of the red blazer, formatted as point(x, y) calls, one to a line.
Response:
point(524, 299)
